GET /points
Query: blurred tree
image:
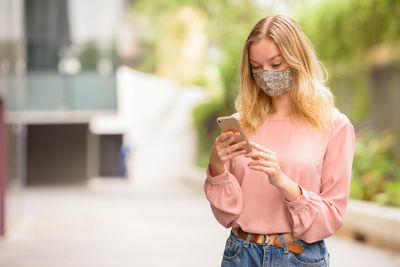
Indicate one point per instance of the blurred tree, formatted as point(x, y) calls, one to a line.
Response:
point(182, 46)
point(357, 36)
point(350, 27)
point(376, 172)
point(228, 23)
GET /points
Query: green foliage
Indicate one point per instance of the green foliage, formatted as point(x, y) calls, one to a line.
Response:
point(350, 27)
point(204, 121)
point(89, 56)
point(344, 34)
point(351, 93)
point(376, 171)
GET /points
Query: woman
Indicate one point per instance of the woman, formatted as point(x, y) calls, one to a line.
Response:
point(290, 192)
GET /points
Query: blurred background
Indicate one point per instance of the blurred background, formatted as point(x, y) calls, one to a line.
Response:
point(107, 117)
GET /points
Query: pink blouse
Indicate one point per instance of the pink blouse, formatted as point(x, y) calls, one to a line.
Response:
point(319, 162)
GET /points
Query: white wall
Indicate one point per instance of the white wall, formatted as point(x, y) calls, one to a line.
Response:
point(155, 115)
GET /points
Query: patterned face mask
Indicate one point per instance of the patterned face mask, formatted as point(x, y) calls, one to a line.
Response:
point(274, 82)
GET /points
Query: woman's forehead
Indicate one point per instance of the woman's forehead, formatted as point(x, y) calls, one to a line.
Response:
point(263, 50)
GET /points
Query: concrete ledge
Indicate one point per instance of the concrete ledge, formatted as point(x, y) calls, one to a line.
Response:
point(373, 224)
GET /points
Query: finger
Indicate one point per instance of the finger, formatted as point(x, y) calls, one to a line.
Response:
point(223, 151)
point(253, 154)
point(256, 154)
point(264, 163)
point(261, 148)
point(263, 169)
point(267, 157)
point(238, 145)
point(227, 132)
point(234, 154)
point(230, 139)
point(225, 135)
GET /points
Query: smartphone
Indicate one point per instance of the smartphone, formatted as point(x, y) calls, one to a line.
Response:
point(230, 123)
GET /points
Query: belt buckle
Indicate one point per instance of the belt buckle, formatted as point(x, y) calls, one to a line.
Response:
point(265, 239)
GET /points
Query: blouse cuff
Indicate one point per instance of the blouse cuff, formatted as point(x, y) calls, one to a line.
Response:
point(299, 202)
point(222, 178)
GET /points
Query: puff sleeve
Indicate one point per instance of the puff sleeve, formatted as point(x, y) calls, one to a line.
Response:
point(224, 194)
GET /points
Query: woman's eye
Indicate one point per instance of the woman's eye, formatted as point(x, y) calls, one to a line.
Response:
point(276, 65)
point(256, 67)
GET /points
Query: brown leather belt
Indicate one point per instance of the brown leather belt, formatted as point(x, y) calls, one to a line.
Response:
point(272, 240)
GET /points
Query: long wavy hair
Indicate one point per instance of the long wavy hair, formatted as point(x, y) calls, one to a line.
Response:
point(310, 99)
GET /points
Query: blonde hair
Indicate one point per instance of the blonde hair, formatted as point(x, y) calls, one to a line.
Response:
point(310, 99)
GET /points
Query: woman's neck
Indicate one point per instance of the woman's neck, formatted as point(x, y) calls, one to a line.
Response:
point(281, 105)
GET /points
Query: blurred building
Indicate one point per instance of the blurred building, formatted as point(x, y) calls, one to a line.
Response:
point(58, 65)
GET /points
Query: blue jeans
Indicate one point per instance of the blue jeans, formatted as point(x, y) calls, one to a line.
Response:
point(240, 252)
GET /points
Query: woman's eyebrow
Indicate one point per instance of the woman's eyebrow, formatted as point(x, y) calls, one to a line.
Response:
point(271, 58)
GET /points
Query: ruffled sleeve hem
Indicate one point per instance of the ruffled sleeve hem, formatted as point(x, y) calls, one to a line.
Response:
point(300, 202)
point(222, 178)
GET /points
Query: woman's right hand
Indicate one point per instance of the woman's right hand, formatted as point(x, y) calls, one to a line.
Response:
point(225, 149)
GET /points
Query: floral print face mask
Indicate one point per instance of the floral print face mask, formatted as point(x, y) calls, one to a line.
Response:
point(274, 82)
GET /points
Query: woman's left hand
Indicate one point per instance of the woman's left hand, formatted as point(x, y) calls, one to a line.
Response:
point(265, 160)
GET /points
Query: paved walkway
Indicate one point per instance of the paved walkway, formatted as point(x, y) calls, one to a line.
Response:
point(110, 224)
